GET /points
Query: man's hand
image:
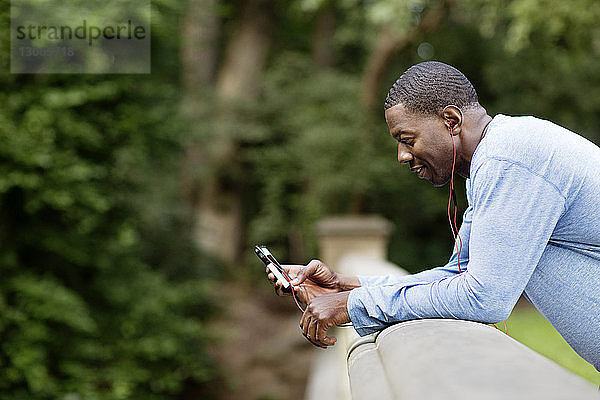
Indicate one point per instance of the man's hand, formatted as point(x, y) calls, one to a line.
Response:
point(313, 280)
point(322, 313)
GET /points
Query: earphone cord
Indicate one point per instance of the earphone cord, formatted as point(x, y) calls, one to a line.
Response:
point(452, 198)
point(454, 227)
point(289, 279)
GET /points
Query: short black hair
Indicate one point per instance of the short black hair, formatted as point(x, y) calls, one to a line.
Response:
point(429, 87)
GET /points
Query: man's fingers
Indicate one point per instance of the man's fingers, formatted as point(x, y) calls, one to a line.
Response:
point(320, 333)
point(279, 289)
point(329, 341)
point(311, 331)
point(276, 282)
point(301, 294)
point(305, 325)
point(270, 275)
point(303, 320)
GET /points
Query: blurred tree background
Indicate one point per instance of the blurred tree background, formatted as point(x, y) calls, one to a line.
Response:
point(129, 202)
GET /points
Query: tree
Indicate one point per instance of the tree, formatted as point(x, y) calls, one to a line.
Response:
point(217, 199)
point(102, 295)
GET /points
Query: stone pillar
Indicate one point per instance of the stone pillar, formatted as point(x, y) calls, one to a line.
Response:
point(343, 235)
point(341, 238)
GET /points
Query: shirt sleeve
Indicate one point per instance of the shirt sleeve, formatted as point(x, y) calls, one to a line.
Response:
point(514, 214)
point(433, 274)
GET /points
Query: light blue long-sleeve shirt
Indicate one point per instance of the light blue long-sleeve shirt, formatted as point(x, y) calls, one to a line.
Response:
point(532, 226)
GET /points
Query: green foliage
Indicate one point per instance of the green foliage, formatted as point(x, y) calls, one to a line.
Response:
point(560, 24)
point(400, 14)
point(541, 59)
point(88, 308)
point(103, 294)
point(315, 157)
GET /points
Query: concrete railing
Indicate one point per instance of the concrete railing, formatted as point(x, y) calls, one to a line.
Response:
point(425, 359)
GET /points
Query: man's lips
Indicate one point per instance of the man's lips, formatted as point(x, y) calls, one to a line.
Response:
point(418, 170)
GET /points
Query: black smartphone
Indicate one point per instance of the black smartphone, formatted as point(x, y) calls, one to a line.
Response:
point(274, 266)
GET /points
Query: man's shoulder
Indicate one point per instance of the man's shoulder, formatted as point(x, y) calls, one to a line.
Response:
point(525, 140)
point(529, 145)
point(517, 136)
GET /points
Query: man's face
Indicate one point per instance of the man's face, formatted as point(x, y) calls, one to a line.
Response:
point(424, 143)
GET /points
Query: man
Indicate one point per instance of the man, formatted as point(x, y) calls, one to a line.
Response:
point(532, 224)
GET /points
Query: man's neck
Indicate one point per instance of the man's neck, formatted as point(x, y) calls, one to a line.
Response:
point(474, 129)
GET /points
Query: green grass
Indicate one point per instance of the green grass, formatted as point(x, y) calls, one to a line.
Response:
point(529, 327)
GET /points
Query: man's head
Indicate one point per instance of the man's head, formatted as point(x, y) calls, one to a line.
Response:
point(426, 107)
point(428, 87)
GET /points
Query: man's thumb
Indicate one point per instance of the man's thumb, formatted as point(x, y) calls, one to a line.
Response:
point(306, 272)
point(301, 277)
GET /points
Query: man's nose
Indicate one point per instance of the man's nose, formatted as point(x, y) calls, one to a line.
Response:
point(404, 155)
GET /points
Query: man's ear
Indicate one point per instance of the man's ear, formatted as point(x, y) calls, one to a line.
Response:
point(453, 119)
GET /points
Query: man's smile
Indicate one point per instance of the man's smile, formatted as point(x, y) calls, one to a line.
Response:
point(418, 170)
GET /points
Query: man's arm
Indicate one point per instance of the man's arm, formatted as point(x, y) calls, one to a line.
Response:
point(317, 279)
point(514, 214)
point(332, 309)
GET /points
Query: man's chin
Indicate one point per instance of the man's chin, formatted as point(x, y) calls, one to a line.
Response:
point(438, 183)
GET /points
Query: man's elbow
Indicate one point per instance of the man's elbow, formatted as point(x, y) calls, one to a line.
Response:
point(496, 315)
point(494, 311)
point(490, 304)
